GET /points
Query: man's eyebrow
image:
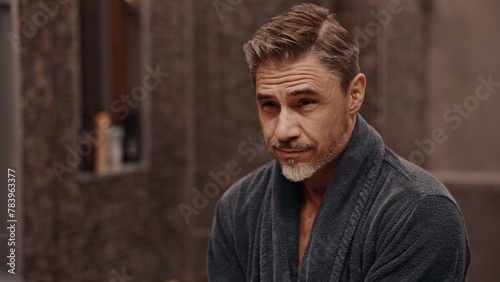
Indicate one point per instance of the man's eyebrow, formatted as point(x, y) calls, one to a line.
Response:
point(261, 96)
point(306, 91)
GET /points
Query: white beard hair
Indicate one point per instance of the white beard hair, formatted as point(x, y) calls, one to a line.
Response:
point(297, 174)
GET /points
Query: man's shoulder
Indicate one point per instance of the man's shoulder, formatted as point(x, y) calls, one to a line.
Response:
point(414, 223)
point(404, 177)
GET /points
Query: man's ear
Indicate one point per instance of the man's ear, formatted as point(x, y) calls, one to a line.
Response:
point(356, 93)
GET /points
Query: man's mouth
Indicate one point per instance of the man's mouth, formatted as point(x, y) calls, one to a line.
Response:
point(289, 153)
point(290, 150)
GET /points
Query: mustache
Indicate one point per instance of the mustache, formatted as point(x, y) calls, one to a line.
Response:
point(291, 145)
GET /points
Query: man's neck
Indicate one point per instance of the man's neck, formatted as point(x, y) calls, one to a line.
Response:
point(313, 191)
point(314, 188)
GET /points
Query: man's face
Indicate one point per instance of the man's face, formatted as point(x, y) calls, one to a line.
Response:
point(304, 114)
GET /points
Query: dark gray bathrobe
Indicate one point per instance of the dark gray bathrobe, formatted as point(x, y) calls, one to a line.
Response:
point(381, 219)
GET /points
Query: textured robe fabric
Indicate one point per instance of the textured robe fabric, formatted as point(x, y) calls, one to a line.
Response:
point(381, 219)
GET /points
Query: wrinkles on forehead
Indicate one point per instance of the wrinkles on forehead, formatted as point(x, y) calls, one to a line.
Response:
point(307, 73)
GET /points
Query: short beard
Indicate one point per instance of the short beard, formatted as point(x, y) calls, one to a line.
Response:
point(297, 173)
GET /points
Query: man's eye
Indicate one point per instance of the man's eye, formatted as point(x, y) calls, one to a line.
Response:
point(305, 102)
point(268, 105)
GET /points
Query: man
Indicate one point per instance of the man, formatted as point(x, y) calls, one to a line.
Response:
point(336, 204)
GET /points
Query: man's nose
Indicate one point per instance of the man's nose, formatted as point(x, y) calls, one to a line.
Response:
point(287, 127)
